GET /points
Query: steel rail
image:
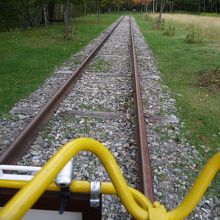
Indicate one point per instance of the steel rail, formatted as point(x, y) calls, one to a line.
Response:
point(18, 147)
point(141, 134)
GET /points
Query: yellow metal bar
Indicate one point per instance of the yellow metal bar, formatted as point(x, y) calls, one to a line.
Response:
point(31, 192)
point(82, 187)
point(197, 190)
point(18, 184)
point(134, 201)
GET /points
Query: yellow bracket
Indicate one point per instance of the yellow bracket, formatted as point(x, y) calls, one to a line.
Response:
point(135, 202)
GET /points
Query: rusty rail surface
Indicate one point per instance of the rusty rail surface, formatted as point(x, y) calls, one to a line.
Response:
point(21, 143)
point(141, 134)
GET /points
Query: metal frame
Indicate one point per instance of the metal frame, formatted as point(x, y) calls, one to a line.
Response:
point(77, 202)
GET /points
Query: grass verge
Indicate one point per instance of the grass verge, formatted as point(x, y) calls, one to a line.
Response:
point(27, 58)
point(208, 26)
point(185, 68)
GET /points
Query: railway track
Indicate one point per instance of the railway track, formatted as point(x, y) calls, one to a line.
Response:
point(101, 99)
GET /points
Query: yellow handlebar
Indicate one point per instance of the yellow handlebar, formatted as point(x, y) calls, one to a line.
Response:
point(31, 192)
point(135, 202)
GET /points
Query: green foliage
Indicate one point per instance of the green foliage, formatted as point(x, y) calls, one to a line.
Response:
point(20, 13)
point(170, 30)
point(8, 14)
point(211, 14)
point(24, 14)
point(193, 35)
point(99, 66)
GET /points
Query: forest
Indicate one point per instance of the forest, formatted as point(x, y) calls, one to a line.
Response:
point(24, 14)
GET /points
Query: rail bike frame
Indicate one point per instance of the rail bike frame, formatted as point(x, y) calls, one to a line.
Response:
point(135, 202)
point(77, 203)
point(50, 201)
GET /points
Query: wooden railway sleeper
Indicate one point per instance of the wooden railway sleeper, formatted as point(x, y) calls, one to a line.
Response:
point(134, 201)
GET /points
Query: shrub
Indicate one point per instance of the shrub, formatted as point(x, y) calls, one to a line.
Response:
point(159, 24)
point(194, 35)
point(170, 31)
point(147, 17)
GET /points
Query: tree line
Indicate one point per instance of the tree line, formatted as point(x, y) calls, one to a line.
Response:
point(194, 6)
point(28, 13)
point(25, 14)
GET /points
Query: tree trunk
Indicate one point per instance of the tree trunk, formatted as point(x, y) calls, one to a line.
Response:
point(115, 6)
point(50, 10)
point(27, 16)
point(156, 5)
point(98, 11)
point(66, 19)
point(153, 5)
point(85, 7)
point(199, 6)
point(162, 5)
point(172, 4)
point(204, 9)
point(45, 13)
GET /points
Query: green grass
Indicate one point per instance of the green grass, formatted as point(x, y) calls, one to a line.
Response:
point(181, 66)
point(210, 14)
point(27, 58)
point(99, 66)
